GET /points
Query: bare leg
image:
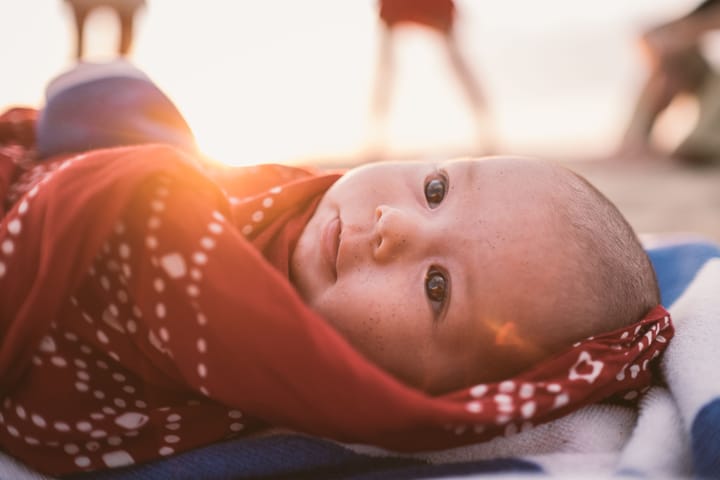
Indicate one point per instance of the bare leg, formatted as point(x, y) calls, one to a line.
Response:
point(473, 91)
point(384, 75)
point(79, 14)
point(126, 32)
point(655, 96)
point(383, 85)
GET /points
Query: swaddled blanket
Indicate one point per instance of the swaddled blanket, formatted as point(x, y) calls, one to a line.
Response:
point(145, 309)
point(671, 433)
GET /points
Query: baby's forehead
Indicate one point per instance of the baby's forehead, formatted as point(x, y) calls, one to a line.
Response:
point(510, 178)
point(516, 209)
point(512, 165)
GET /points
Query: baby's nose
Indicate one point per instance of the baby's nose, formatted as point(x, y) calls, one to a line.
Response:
point(395, 232)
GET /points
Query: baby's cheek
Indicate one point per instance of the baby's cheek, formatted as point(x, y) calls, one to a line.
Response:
point(376, 314)
point(365, 329)
point(506, 335)
point(359, 324)
point(345, 309)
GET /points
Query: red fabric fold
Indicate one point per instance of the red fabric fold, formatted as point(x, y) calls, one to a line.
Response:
point(145, 310)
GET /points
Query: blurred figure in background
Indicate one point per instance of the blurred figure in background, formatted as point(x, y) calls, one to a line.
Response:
point(677, 66)
point(125, 10)
point(438, 16)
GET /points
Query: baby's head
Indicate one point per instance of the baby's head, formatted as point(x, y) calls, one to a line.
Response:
point(455, 273)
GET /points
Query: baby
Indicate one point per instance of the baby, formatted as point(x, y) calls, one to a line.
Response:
point(171, 302)
point(454, 273)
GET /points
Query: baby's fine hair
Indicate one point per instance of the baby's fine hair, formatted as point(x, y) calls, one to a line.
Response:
point(620, 285)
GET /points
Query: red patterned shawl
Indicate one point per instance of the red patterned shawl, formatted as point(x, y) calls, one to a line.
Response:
point(145, 310)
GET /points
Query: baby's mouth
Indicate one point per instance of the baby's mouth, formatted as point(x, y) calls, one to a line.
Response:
point(331, 243)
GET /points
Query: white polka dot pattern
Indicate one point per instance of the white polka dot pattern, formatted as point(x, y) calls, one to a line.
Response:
point(118, 324)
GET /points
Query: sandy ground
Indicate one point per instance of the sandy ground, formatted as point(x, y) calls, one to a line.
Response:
point(660, 197)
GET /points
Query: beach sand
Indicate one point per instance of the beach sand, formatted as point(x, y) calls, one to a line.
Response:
point(660, 197)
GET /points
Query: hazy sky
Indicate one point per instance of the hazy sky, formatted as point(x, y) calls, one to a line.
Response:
point(278, 80)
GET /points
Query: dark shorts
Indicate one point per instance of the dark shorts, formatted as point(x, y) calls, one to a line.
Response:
point(95, 107)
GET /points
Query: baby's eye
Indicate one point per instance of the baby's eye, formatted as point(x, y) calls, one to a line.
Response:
point(436, 289)
point(435, 190)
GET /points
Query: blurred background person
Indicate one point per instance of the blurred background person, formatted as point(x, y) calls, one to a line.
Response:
point(125, 11)
point(438, 16)
point(561, 77)
point(678, 66)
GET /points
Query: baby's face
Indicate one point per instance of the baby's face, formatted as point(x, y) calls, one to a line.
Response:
point(440, 273)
